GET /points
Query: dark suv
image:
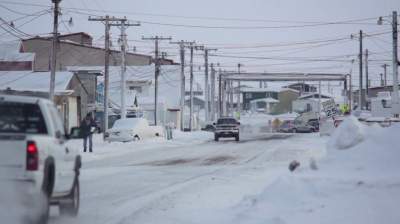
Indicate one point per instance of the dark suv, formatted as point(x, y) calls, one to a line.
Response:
point(226, 127)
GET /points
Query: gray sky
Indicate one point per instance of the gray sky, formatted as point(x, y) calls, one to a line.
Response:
point(279, 45)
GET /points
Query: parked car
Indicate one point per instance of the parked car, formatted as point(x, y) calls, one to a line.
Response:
point(132, 129)
point(36, 158)
point(302, 127)
point(226, 127)
point(287, 127)
point(315, 124)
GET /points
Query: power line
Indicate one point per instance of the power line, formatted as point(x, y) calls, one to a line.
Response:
point(306, 23)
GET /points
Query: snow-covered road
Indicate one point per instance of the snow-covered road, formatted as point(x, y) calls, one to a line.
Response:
point(185, 180)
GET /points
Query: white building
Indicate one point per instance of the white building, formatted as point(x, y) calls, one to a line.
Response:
point(310, 103)
point(263, 105)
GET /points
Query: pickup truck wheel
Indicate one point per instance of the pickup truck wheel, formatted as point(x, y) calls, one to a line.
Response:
point(47, 190)
point(216, 138)
point(70, 206)
point(237, 137)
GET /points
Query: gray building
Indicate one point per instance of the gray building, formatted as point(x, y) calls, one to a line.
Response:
point(75, 49)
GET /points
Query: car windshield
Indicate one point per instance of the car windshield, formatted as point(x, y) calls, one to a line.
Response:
point(21, 118)
point(227, 121)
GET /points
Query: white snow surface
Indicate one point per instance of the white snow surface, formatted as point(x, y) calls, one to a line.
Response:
point(193, 179)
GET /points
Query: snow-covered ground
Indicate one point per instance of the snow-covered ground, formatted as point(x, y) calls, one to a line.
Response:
point(193, 179)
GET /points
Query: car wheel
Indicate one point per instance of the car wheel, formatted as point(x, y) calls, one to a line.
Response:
point(237, 138)
point(216, 138)
point(136, 138)
point(70, 206)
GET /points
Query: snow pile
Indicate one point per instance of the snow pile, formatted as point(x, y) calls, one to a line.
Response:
point(349, 133)
point(361, 185)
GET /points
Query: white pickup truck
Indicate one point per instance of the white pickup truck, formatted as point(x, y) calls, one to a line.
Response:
point(35, 156)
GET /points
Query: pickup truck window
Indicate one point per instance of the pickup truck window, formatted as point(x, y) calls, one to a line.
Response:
point(21, 118)
point(227, 121)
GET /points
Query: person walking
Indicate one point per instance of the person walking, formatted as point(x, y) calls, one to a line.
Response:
point(88, 125)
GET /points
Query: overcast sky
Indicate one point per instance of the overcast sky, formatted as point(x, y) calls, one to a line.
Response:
point(261, 29)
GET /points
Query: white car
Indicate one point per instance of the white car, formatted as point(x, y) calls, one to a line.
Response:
point(132, 129)
point(35, 158)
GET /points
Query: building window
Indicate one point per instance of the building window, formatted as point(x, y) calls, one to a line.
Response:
point(138, 89)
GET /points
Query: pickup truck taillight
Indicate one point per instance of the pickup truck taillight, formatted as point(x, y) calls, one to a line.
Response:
point(32, 156)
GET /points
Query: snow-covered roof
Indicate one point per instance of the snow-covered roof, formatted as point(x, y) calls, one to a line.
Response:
point(9, 51)
point(316, 95)
point(266, 100)
point(34, 81)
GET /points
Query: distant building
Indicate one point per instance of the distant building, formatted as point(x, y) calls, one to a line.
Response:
point(284, 97)
point(75, 49)
point(140, 85)
point(373, 92)
point(12, 60)
point(264, 105)
point(302, 88)
point(310, 103)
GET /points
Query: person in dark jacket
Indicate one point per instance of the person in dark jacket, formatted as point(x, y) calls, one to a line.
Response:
point(88, 125)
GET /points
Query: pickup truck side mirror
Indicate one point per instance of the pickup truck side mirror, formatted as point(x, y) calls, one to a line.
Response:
point(238, 123)
point(75, 133)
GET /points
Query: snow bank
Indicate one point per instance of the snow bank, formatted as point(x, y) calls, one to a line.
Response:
point(361, 185)
point(349, 133)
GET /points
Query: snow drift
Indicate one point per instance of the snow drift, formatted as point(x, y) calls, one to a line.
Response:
point(361, 185)
point(349, 133)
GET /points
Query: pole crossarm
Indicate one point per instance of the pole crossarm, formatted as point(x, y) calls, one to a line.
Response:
point(282, 76)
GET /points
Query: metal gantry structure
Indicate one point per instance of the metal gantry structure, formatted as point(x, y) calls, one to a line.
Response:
point(227, 77)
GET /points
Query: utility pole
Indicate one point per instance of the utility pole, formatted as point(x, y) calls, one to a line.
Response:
point(395, 62)
point(108, 21)
point(220, 97)
point(231, 97)
point(366, 79)
point(191, 46)
point(385, 74)
point(212, 92)
point(239, 108)
point(360, 100)
point(156, 70)
point(123, 24)
point(54, 50)
point(206, 90)
point(183, 90)
point(382, 82)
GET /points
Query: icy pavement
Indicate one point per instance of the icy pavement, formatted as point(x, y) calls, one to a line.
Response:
point(187, 180)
